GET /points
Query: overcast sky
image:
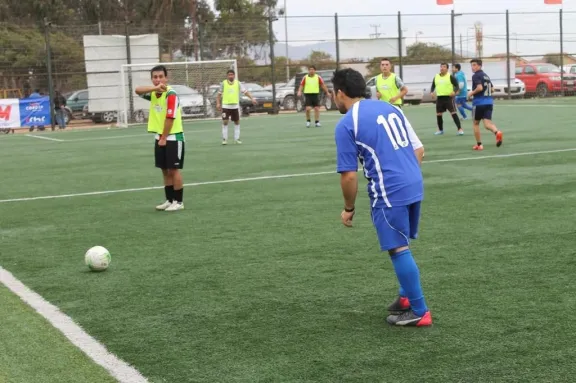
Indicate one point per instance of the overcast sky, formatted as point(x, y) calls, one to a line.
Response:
point(531, 34)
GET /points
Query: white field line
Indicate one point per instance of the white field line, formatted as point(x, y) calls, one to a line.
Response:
point(235, 180)
point(44, 138)
point(96, 351)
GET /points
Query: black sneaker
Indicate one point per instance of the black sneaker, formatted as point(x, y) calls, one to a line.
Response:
point(408, 318)
point(399, 306)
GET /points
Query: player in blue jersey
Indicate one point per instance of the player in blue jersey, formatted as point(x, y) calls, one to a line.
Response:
point(379, 135)
point(483, 104)
point(462, 96)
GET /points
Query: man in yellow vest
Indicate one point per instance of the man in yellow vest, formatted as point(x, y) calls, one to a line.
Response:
point(444, 87)
point(389, 86)
point(311, 86)
point(228, 101)
point(165, 121)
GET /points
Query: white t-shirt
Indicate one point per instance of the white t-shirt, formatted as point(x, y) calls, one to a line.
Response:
point(232, 106)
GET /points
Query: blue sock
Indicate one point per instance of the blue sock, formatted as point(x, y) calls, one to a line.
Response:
point(401, 292)
point(409, 278)
point(467, 107)
point(462, 111)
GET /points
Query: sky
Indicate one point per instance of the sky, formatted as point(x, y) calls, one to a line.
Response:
point(530, 34)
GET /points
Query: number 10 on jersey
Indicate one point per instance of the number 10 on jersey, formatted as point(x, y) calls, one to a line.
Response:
point(395, 129)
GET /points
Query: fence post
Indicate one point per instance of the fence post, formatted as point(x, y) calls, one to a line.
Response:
point(271, 18)
point(452, 21)
point(508, 74)
point(47, 25)
point(129, 61)
point(400, 37)
point(337, 41)
point(562, 52)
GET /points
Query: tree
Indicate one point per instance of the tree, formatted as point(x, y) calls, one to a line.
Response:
point(552, 58)
point(321, 60)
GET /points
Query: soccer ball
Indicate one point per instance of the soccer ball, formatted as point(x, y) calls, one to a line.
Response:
point(97, 258)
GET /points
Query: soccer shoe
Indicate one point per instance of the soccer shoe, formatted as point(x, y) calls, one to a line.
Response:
point(408, 318)
point(224, 142)
point(439, 133)
point(164, 206)
point(317, 125)
point(478, 147)
point(400, 305)
point(460, 132)
point(499, 137)
point(307, 124)
point(238, 142)
point(175, 206)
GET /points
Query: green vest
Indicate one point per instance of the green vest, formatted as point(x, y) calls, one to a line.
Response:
point(312, 85)
point(443, 85)
point(157, 114)
point(230, 93)
point(387, 88)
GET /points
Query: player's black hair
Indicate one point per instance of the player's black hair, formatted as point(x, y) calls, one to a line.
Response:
point(311, 67)
point(447, 66)
point(230, 71)
point(477, 61)
point(159, 68)
point(458, 66)
point(350, 82)
point(385, 59)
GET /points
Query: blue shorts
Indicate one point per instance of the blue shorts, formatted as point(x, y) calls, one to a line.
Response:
point(460, 100)
point(396, 225)
point(482, 112)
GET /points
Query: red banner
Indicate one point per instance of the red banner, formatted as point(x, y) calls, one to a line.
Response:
point(552, 2)
point(450, 2)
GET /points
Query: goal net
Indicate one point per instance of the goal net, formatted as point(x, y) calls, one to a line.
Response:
point(196, 84)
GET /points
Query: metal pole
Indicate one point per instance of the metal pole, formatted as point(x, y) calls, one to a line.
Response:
point(337, 41)
point(272, 58)
point(47, 25)
point(129, 61)
point(286, 36)
point(562, 52)
point(452, 21)
point(461, 51)
point(508, 72)
point(400, 38)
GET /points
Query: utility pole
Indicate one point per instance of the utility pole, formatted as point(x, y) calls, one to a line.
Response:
point(194, 19)
point(375, 35)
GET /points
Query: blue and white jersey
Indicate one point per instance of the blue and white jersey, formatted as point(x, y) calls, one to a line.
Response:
point(484, 97)
point(380, 136)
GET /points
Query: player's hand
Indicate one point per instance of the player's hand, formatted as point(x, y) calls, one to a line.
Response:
point(219, 107)
point(299, 94)
point(162, 141)
point(347, 217)
point(160, 88)
point(393, 99)
point(378, 95)
point(470, 95)
point(254, 102)
point(452, 94)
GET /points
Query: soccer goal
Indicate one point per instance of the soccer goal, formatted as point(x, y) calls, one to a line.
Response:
point(196, 84)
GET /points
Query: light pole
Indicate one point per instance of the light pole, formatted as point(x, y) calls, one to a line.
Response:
point(286, 42)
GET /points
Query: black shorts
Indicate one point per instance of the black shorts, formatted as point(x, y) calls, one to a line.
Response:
point(445, 103)
point(231, 114)
point(482, 112)
point(312, 99)
point(170, 156)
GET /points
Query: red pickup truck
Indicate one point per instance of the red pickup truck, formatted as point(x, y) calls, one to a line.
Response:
point(543, 79)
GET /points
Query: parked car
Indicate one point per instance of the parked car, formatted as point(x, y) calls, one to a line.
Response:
point(76, 101)
point(543, 79)
point(264, 99)
point(326, 101)
point(517, 88)
point(413, 97)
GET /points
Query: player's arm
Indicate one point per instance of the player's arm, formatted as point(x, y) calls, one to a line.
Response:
point(476, 85)
point(403, 90)
point(144, 90)
point(433, 87)
point(301, 86)
point(245, 92)
point(454, 82)
point(417, 145)
point(347, 165)
point(171, 109)
point(324, 87)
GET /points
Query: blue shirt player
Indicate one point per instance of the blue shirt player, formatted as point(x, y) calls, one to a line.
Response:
point(379, 135)
point(483, 104)
point(463, 93)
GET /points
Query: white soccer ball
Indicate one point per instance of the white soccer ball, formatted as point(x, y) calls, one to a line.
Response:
point(97, 258)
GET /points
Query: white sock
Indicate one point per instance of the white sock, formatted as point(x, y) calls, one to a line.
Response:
point(225, 132)
point(237, 132)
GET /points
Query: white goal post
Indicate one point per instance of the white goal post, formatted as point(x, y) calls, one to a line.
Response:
point(195, 82)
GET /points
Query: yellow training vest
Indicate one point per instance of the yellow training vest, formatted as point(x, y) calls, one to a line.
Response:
point(443, 85)
point(387, 88)
point(157, 114)
point(230, 93)
point(312, 85)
